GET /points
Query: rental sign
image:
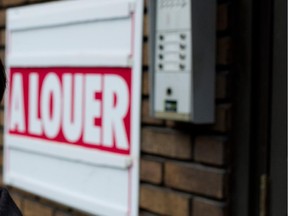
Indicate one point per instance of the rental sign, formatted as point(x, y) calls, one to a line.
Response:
point(72, 117)
point(89, 107)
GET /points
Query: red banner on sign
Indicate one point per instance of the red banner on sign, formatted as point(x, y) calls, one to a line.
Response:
point(88, 107)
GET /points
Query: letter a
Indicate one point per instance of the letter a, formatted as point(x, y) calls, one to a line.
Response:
point(17, 115)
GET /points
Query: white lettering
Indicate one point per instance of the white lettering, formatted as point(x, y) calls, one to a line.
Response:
point(113, 114)
point(17, 114)
point(92, 109)
point(72, 112)
point(35, 125)
point(51, 120)
point(86, 108)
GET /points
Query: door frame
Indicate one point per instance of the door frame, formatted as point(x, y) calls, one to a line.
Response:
point(259, 121)
point(278, 149)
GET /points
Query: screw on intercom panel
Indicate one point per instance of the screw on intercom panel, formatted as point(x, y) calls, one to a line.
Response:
point(182, 46)
point(182, 56)
point(183, 36)
point(182, 67)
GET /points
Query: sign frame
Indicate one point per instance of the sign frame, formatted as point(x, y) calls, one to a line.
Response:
point(21, 20)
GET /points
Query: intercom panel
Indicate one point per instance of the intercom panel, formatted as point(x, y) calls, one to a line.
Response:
point(182, 51)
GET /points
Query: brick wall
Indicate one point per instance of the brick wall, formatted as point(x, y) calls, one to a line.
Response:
point(184, 167)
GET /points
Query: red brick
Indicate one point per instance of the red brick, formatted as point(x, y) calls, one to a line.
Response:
point(145, 53)
point(2, 104)
point(145, 26)
point(18, 199)
point(151, 170)
point(78, 213)
point(164, 201)
point(171, 124)
point(146, 116)
point(224, 52)
point(2, 18)
point(196, 179)
point(1, 117)
point(166, 142)
point(144, 213)
point(1, 138)
point(210, 150)
point(1, 158)
point(145, 83)
point(61, 213)
point(54, 204)
point(145, 3)
point(6, 3)
point(2, 37)
point(205, 207)
point(222, 118)
point(23, 193)
point(222, 17)
point(222, 85)
point(33, 208)
point(1, 179)
point(36, 1)
point(2, 55)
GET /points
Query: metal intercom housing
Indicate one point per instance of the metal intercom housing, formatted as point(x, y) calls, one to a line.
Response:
point(182, 59)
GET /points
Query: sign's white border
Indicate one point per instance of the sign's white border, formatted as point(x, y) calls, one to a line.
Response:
point(31, 17)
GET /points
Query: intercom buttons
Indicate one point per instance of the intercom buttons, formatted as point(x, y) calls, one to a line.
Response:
point(173, 51)
point(182, 46)
point(182, 56)
point(182, 66)
point(183, 36)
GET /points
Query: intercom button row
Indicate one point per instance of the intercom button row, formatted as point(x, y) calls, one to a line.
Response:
point(172, 37)
point(172, 47)
point(181, 56)
point(182, 67)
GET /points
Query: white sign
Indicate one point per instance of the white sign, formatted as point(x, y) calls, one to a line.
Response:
point(73, 103)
